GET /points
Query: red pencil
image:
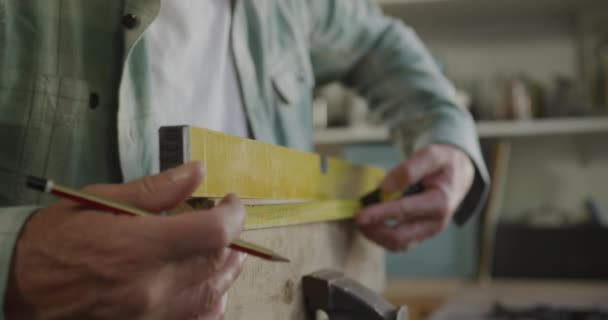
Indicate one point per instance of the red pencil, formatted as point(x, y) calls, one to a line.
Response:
point(49, 186)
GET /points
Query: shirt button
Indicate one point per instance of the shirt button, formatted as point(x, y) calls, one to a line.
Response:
point(130, 21)
point(93, 100)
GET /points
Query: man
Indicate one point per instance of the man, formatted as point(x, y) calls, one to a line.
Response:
point(85, 85)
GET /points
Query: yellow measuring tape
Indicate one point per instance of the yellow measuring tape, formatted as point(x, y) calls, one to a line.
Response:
point(280, 215)
point(325, 189)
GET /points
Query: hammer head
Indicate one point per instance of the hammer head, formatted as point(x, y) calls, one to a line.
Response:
point(343, 298)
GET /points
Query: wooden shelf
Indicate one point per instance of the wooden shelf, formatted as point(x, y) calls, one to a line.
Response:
point(505, 129)
point(409, 2)
point(486, 129)
point(351, 135)
point(447, 12)
point(473, 6)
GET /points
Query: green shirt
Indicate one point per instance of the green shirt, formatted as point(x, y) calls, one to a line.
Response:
point(74, 90)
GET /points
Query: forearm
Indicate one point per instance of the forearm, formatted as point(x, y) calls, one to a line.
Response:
point(406, 89)
point(12, 220)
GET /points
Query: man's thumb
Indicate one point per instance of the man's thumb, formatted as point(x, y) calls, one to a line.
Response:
point(162, 191)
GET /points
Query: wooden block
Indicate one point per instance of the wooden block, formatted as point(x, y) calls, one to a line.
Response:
point(272, 291)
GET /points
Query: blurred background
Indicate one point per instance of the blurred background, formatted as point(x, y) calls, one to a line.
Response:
point(534, 74)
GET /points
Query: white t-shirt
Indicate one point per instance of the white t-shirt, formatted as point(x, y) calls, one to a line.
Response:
point(193, 79)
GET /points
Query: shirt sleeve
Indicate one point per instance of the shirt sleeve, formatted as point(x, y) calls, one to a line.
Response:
point(352, 41)
point(11, 221)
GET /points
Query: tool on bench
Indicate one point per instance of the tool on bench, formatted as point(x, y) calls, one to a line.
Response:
point(341, 298)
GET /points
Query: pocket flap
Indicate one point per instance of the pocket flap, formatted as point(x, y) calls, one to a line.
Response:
point(288, 87)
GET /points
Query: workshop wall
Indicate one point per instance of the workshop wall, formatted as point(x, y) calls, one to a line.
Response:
point(540, 49)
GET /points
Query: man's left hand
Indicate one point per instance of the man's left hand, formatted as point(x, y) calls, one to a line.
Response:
point(445, 174)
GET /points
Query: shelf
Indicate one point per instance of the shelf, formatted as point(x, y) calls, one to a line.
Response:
point(351, 135)
point(409, 2)
point(498, 129)
point(445, 12)
point(464, 7)
point(486, 129)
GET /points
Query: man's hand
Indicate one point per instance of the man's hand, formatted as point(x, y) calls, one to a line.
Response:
point(74, 262)
point(445, 173)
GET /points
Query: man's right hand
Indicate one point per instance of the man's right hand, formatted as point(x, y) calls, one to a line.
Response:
point(74, 262)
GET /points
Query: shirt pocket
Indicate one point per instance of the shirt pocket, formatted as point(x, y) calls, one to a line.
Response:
point(40, 121)
point(292, 81)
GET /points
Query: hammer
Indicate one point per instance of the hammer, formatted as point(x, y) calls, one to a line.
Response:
point(330, 295)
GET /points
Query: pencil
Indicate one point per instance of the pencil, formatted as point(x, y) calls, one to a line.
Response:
point(48, 186)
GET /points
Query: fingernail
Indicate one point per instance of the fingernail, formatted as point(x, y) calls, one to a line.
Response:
point(242, 257)
point(185, 171)
point(230, 198)
point(388, 186)
point(224, 302)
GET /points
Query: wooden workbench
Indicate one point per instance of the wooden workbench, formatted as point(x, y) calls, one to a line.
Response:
point(444, 299)
point(272, 291)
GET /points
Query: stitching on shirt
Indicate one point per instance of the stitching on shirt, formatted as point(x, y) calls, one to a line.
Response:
point(72, 98)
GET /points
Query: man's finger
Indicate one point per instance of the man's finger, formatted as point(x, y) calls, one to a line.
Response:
point(207, 296)
point(230, 271)
point(165, 190)
point(423, 163)
point(158, 192)
point(400, 237)
point(429, 204)
point(196, 232)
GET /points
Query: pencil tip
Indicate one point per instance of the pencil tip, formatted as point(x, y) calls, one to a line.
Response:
point(278, 258)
